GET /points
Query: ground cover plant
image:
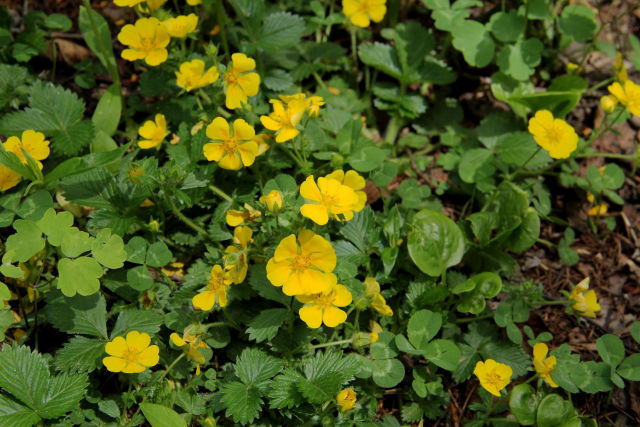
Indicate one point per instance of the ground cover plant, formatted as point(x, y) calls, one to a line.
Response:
point(357, 212)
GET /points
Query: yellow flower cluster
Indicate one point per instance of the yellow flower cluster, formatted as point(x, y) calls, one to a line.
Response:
point(334, 195)
point(34, 144)
point(192, 75)
point(585, 300)
point(554, 135)
point(287, 113)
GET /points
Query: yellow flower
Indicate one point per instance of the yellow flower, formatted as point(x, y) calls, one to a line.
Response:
point(235, 218)
point(284, 121)
point(554, 135)
point(152, 5)
point(360, 12)
point(239, 83)
point(194, 2)
point(127, 3)
point(493, 376)
point(375, 330)
point(131, 355)
point(216, 288)
point(543, 364)
point(315, 102)
point(608, 103)
point(193, 337)
point(147, 39)
point(598, 210)
point(273, 200)
point(586, 301)
point(261, 139)
point(378, 303)
point(354, 181)
point(32, 142)
point(182, 25)
point(329, 197)
point(192, 75)
point(303, 266)
point(8, 178)
point(231, 151)
point(154, 132)
point(628, 95)
point(323, 307)
point(311, 104)
point(346, 399)
point(241, 240)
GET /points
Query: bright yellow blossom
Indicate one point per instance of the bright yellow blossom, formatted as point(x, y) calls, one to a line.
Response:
point(608, 103)
point(303, 266)
point(328, 197)
point(586, 301)
point(315, 102)
point(193, 337)
point(312, 104)
point(361, 12)
point(273, 200)
point(127, 3)
point(323, 307)
point(554, 135)
point(231, 151)
point(152, 5)
point(194, 2)
point(263, 146)
point(192, 75)
point(239, 83)
point(543, 364)
point(235, 218)
point(628, 95)
point(147, 39)
point(32, 142)
point(8, 178)
point(219, 281)
point(354, 181)
point(153, 132)
point(493, 376)
point(598, 210)
point(346, 399)
point(378, 303)
point(182, 25)
point(284, 121)
point(375, 329)
point(238, 269)
point(131, 355)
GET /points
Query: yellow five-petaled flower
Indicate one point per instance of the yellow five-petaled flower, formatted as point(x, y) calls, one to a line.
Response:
point(493, 376)
point(153, 132)
point(554, 135)
point(543, 364)
point(628, 94)
point(586, 301)
point(361, 12)
point(36, 146)
point(216, 289)
point(328, 197)
point(192, 75)
point(346, 399)
point(273, 200)
point(182, 25)
point(132, 354)
point(147, 39)
point(231, 151)
point(323, 307)
point(239, 82)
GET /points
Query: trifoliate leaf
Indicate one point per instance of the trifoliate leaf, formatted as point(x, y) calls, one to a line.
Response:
point(55, 226)
point(80, 354)
point(79, 276)
point(108, 249)
point(255, 366)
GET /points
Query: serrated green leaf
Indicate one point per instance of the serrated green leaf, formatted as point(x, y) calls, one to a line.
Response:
point(266, 324)
point(161, 416)
point(280, 30)
point(78, 315)
point(137, 320)
point(241, 401)
point(56, 226)
point(284, 393)
point(26, 242)
point(108, 249)
point(255, 366)
point(80, 354)
point(381, 56)
point(14, 414)
point(79, 275)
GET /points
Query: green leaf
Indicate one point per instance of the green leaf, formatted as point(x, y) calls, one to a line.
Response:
point(76, 242)
point(382, 57)
point(107, 113)
point(476, 165)
point(359, 228)
point(474, 41)
point(110, 408)
point(35, 206)
point(510, 354)
point(611, 349)
point(79, 275)
point(591, 377)
point(578, 22)
point(99, 41)
point(436, 242)
point(527, 233)
point(14, 414)
point(255, 366)
point(324, 375)
point(55, 226)
point(108, 249)
point(278, 80)
point(367, 158)
point(523, 403)
point(241, 401)
point(158, 255)
point(443, 353)
point(139, 278)
point(136, 249)
point(266, 324)
point(507, 26)
point(516, 147)
point(80, 354)
point(137, 320)
point(519, 60)
point(630, 368)
point(387, 373)
point(553, 411)
point(26, 242)
point(635, 331)
point(161, 416)
point(56, 112)
point(423, 326)
point(284, 393)
point(280, 30)
point(78, 315)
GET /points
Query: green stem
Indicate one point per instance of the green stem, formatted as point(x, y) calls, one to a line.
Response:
point(297, 159)
point(220, 193)
point(354, 44)
point(473, 319)
point(545, 302)
point(510, 177)
point(329, 344)
point(185, 219)
point(605, 155)
point(222, 16)
point(546, 242)
point(394, 126)
point(111, 67)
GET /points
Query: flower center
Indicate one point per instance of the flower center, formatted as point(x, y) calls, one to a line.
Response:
point(301, 262)
point(554, 134)
point(231, 78)
point(230, 146)
point(131, 355)
point(493, 378)
point(147, 43)
point(324, 300)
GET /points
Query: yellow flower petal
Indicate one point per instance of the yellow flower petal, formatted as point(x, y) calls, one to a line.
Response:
point(116, 347)
point(114, 364)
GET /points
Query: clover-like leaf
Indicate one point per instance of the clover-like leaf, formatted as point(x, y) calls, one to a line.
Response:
point(26, 242)
point(108, 249)
point(76, 242)
point(55, 226)
point(474, 41)
point(79, 276)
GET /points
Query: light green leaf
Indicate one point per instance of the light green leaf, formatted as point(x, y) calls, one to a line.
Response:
point(474, 41)
point(78, 315)
point(611, 349)
point(523, 403)
point(266, 324)
point(139, 278)
point(99, 41)
point(136, 249)
point(507, 26)
point(161, 416)
point(108, 249)
point(241, 401)
point(630, 368)
point(527, 233)
point(137, 320)
point(80, 354)
point(56, 226)
point(107, 113)
point(519, 60)
point(387, 373)
point(553, 411)
point(255, 366)
point(635, 331)
point(14, 414)
point(76, 242)
point(436, 242)
point(423, 326)
point(79, 276)
point(34, 206)
point(476, 165)
point(367, 158)
point(442, 353)
point(578, 22)
point(26, 242)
